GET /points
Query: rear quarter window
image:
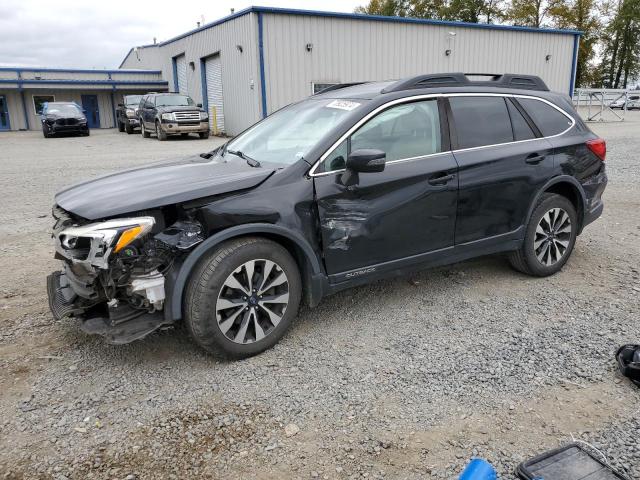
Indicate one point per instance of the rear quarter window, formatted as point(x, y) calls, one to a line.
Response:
point(548, 119)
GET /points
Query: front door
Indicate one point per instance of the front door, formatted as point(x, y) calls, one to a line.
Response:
point(406, 210)
point(90, 106)
point(4, 114)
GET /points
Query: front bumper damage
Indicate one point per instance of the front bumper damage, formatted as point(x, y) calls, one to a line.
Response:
point(118, 294)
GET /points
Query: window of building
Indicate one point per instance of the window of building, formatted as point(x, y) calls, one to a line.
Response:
point(547, 118)
point(481, 121)
point(318, 87)
point(40, 100)
point(405, 131)
point(521, 129)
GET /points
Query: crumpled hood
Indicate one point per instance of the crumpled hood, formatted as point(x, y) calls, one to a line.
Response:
point(158, 185)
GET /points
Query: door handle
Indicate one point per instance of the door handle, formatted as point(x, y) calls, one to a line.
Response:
point(441, 179)
point(534, 159)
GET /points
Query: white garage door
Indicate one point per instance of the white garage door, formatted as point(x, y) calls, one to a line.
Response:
point(213, 72)
point(181, 70)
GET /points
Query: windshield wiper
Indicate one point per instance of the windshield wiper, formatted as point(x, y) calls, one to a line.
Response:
point(251, 161)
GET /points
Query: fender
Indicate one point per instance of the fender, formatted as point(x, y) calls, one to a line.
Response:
point(173, 309)
point(555, 180)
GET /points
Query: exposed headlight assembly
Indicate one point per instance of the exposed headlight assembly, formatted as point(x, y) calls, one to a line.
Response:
point(167, 116)
point(204, 116)
point(93, 243)
point(130, 112)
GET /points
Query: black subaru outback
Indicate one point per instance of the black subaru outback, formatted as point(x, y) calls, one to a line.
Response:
point(350, 185)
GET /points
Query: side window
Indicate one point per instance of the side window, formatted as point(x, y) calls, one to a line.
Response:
point(548, 119)
point(405, 131)
point(521, 129)
point(481, 121)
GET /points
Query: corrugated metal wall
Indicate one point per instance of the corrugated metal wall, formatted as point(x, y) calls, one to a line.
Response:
point(14, 106)
point(349, 50)
point(240, 70)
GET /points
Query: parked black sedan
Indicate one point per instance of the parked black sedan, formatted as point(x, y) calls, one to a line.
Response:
point(63, 117)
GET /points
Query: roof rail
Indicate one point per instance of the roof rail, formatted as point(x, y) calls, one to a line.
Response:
point(338, 86)
point(458, 79)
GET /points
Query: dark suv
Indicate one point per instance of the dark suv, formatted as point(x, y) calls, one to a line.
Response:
point(127, 113)
point(171, 114)
point(343, 188)
point(63, 117)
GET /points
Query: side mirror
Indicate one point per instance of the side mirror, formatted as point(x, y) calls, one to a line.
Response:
point(121, 105)
point(199, 105)
point(365, 161)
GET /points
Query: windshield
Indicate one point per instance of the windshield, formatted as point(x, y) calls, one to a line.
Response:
point(289, 134)
point(174, 101)
point(131, 100)
point(62, 109)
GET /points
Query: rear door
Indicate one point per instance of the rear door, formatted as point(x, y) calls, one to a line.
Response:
point(406, 210)
point(503, 161)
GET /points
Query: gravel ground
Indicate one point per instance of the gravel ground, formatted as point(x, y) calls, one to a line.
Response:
point(406, 378)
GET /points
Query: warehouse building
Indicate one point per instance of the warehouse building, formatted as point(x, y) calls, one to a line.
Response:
point(23, 91)
point(253, 62)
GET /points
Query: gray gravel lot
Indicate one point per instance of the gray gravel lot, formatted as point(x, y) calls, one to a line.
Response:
point(405, 378)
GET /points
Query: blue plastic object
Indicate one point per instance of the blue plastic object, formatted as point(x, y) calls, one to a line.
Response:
point(479, 469)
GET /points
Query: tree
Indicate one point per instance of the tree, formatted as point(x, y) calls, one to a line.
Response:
point(621, 42)
point(579, 15)
point(389, 8)
point(528, 13)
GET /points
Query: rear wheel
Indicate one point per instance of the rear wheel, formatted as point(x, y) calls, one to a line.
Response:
point(243, 297)
point(162, 136)
point(549, 239)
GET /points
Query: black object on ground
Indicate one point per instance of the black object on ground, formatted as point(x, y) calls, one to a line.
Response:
point(628, 357)
point(571, 462)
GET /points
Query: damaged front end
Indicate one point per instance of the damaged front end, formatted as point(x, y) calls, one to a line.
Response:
point(115, 272)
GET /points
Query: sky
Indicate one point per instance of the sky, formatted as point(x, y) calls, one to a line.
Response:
point(99, 33)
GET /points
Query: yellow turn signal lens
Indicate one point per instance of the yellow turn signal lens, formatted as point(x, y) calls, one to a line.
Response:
point(127, 237)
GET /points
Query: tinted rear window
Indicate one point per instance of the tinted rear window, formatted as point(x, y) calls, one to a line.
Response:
point(548, 119)
point(481, 121)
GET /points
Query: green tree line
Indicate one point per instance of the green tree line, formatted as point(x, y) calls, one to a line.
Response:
point(609, 53)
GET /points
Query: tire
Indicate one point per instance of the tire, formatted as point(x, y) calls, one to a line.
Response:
point(44, 132)
point(120, 127)
point(162, 136)
point(203, 135)
point(208, 288)
point(547, 244)
point(143, 130)
point(128, 128)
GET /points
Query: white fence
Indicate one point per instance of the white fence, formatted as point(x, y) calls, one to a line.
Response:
point(599, 103)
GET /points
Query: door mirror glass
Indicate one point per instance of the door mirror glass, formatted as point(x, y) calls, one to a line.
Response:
point(199, 105)
point(366, 161)
point(121, 105)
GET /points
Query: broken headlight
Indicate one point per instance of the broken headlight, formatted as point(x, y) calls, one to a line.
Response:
point(94, 243)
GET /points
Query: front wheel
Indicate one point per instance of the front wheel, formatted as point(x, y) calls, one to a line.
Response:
point(128, 128)
point(143, 130)
point(120, 127)
point(161, 134)
point(203, 135)
point(242, 297)
point(549, 238)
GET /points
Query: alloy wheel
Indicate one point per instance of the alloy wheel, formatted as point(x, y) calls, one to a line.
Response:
point(553, 235)
point(252, 301)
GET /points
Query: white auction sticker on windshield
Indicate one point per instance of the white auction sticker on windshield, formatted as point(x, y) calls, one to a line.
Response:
point(343, 105)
